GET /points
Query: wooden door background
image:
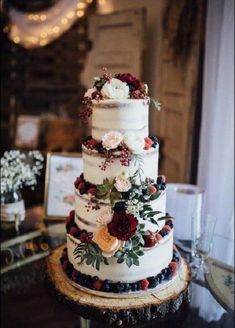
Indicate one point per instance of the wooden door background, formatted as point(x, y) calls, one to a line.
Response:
point(180, 88)
point(117, 43)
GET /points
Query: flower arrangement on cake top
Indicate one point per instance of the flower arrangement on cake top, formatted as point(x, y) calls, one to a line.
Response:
point(119, 87)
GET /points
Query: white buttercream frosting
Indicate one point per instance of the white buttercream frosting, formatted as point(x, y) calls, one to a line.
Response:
point(123, 116)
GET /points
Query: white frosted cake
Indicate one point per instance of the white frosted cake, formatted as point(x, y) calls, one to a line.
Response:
point(119, 237)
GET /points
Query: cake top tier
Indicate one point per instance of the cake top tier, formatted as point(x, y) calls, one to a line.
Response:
point(116, 92)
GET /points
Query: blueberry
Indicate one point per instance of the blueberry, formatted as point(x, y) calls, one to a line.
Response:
point(163, 186)
point(69, 270)
point(167, 274)
point(82, 176)
point(138, 284)
point(145, 192)
point(133, 286)
point(119, 287)
point(164, 271)
point(152, 282)
point(126, 287)
point(159, 277)
point(82, 191)
point(106, 286)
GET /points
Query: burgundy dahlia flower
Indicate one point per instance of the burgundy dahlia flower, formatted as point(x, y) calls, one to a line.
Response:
point(123, 225)
point(131, 80)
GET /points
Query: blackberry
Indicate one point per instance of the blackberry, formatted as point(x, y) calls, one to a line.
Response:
point(152, 282)
point(82, 191)
point(99, 147)
point(119, 287)
point(119, 207)
point(133, 287)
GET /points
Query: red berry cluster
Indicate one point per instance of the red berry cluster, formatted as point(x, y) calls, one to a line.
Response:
point(74, 231)
point(125, 156)
point(90, 143)
point(108, 160)
point(86, 112)
point(151, 238)
point(148, 143)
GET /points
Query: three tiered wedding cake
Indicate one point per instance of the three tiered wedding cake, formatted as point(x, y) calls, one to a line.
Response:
point(119, 237)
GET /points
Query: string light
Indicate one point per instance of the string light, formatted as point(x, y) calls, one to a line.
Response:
point(41, 35)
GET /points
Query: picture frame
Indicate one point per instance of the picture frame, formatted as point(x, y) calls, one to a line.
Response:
point(61, 172)
point(27, 132)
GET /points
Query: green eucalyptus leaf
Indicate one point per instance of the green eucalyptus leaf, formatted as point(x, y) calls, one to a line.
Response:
point(156, 103)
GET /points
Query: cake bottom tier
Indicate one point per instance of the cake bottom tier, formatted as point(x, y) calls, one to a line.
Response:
point(119, 279)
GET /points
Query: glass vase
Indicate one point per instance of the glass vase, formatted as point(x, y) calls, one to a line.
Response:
point(12, 210)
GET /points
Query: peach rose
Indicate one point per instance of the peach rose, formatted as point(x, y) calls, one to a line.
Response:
point(122, 183)
point(112, 139)
point(107, 243)
point(105, 217)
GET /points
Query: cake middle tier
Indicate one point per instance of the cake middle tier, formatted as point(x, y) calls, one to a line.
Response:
point(96, 169)
point(89, 217)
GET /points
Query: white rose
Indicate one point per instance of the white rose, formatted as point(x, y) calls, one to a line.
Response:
point(122, 183)
point(112, 139)
point(134, 142)
point(115, 89)
point(89, 92)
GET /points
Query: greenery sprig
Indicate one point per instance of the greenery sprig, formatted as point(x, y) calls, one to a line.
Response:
point(91, 254)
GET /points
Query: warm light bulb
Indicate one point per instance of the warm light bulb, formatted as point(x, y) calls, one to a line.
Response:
point(81, 5)
point(16, 39)
point(71, 14)
point(80, 13)
point(43, 17)
point(43, 35)
point(56, 29)
point(64, 21)
point(43, 42)
point(89, 1)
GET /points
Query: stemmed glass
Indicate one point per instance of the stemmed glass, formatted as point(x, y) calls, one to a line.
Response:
point(203, 227)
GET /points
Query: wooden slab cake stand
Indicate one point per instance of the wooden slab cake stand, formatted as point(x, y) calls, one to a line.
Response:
point(117, 311)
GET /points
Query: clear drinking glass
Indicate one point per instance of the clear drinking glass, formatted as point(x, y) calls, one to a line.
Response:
point(182, 202)
point(203, 227)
